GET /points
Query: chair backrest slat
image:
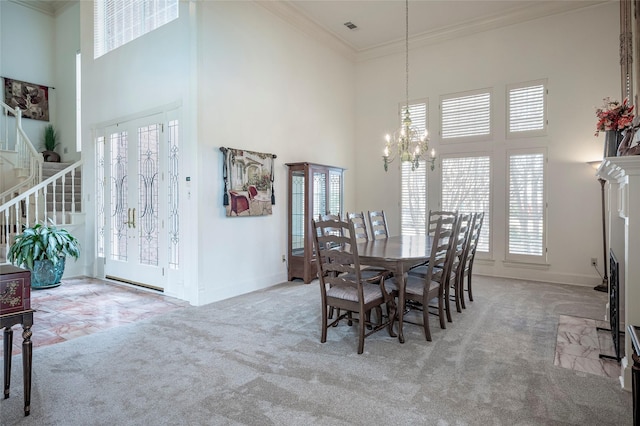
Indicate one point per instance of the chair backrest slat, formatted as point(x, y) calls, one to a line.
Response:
point(337, 254)
point(378, 225)
point(360, 226)
point(434, 215)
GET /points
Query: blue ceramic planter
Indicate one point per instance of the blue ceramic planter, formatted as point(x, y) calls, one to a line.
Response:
point(45, 274)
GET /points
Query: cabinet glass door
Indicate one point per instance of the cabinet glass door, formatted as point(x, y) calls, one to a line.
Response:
point(297, 213)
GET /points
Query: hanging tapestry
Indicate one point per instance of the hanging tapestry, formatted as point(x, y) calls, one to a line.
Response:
point(32, 99)
point(248, 182)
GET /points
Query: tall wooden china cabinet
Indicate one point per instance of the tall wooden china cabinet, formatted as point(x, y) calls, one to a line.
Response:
point(314, 190)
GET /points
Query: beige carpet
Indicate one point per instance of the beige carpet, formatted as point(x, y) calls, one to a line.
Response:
point(257, 360)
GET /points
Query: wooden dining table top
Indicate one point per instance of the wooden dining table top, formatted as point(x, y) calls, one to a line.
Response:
point(408, 248)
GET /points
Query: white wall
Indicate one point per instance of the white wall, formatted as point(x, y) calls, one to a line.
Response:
point(578, 53)
point(265, 87)
point(67, 44)
point(28, 41)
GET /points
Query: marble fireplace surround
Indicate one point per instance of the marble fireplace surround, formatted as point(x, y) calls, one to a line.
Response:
point(623, 234)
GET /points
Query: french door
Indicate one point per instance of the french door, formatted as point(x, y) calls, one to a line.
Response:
point(135, 157)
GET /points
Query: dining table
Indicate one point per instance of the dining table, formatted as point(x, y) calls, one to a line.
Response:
point(397, 254)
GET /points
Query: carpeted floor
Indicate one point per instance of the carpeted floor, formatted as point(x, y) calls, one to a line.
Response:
point(257, 360)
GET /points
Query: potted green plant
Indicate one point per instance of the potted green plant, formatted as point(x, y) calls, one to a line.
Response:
point(43, 250)
point(50, 142)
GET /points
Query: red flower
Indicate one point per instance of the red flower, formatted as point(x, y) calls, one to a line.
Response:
point(613, 115)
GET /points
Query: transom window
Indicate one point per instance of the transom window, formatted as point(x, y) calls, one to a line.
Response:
point(117, 22)
point(466, 115)
point(527, 109)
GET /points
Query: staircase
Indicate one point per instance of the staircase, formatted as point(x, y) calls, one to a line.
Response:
point(45, 191)
point(63, 190)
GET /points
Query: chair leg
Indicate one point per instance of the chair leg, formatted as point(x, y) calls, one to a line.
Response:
point(425, 323)
point(361, 327)
point(441, 307)
point(447, 295)
point(391, 312)
point(456, 289)
point(461, 290)
point(469, 286)
point(323, 336)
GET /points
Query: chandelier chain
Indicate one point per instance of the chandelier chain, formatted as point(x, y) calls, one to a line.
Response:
point(406, 45)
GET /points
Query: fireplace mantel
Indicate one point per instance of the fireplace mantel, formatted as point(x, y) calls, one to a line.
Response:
point(623, 177)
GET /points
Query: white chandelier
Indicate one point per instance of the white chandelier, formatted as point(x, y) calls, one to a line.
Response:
point(407, 143)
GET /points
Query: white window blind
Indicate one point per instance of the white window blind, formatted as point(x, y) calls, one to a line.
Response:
point(467, 115)
point(414, 183)
point(527, 109)
point(466, 187)
point(117, 22)
point(526, 205)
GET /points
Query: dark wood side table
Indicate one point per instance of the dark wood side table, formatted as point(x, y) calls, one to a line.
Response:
point(15, 308)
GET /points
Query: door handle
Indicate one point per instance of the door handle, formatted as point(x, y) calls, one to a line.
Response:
point(134, 218)
point(128, 222)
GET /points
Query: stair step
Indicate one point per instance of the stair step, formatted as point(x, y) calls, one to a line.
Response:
point(67, 206)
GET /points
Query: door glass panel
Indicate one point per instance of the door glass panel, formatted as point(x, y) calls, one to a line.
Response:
point(100, 201)
point(147, 215)
point(119, 193)
point(297, 213)
point(319, 194)
point(174, 211)
point(335, 193)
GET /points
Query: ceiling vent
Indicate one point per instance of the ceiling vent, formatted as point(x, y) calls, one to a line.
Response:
point(350, 25)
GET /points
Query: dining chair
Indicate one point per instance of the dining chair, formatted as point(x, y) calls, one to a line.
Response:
point(467, 267)
point(461, 241)
point(369, 273)
point(378, 225)
point(341, 283)
point(434, 215)
point(450, 224)
point(424, 289)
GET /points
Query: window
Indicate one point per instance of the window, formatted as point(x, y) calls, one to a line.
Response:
point(466, 187)
point(526, 233)
point(466, 115)
point(414, 183)
point(526, 109)
point(117, 22)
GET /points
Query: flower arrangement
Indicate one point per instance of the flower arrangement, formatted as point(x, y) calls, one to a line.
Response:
point(614, 115)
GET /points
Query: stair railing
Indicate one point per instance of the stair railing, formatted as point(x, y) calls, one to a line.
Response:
point(45, 201)
point(28, 159)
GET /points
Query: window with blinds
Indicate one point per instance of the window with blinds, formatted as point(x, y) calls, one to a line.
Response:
point(526, 239)
point(414, 183)
point(526, 109)
point(466, 115)
point(117, 22)
point(466, 187)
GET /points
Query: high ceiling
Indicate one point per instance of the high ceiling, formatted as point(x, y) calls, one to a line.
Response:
point(381, 23)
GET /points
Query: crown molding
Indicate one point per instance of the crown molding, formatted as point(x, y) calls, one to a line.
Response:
point(51, 8)
point(288, 13)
